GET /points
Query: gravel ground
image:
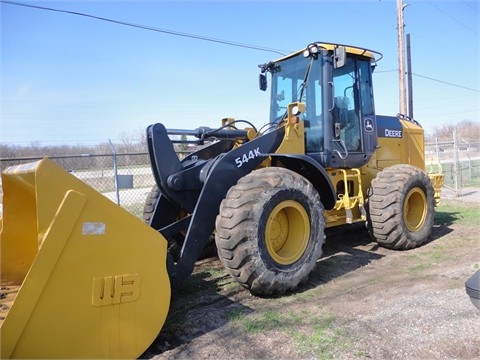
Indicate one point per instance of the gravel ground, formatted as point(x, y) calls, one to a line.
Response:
point(385, 304)
point(470, 194)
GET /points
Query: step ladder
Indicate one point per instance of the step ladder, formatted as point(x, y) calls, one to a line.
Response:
point(347, 202)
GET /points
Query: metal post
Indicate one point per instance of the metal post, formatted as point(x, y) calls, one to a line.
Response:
point(458, 190)
point(115, 172)
point(469, 164)
point(401, 59)
point(409, 79)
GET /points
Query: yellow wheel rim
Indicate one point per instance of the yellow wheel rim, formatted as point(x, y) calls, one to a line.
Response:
point(287, 232)
point(415, 209)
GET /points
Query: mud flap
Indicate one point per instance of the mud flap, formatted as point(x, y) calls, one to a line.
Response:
point(91, 278)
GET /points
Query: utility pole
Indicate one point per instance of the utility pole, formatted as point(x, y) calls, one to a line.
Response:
point(401, 59)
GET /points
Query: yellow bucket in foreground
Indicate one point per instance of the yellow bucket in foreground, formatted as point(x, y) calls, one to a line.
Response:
point(81, 277)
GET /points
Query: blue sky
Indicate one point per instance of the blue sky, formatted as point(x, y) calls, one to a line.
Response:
point(68, 79)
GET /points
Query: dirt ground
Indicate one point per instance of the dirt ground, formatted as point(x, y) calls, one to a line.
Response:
point(361, 301)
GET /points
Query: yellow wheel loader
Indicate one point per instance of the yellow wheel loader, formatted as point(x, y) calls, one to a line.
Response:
point(82, 278)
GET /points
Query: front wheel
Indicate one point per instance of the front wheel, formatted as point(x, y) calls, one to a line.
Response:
point(401, 207)
point(270, 230)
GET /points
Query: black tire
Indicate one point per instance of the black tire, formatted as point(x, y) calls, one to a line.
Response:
point(401, 207)
point(270, 230)
point(150, 202)
point(175, 243)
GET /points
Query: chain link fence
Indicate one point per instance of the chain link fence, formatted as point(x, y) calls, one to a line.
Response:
point(458, 160)
point(127, 178)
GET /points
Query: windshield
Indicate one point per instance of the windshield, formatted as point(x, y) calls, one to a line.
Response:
point(287, 79)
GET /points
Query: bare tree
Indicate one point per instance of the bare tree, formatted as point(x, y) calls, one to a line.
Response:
point(466, 130)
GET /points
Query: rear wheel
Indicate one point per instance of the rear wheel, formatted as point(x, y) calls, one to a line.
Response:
point(169, 216)
point(150, 202)
point(175, 243)
point(401, 207)
point(270, 230)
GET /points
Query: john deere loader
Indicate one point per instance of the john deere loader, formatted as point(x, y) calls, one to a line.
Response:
point(82, 278)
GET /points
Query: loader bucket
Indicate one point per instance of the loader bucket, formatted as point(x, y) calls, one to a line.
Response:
point(81, 277)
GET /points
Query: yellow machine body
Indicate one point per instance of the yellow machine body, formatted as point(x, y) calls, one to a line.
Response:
point(80, 276)
point(409, 149)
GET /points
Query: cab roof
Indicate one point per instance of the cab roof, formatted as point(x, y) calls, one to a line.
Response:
point(373, 55)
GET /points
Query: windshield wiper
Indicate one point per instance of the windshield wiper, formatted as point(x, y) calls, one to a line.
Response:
point(302, 86)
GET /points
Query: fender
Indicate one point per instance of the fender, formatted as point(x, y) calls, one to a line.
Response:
point(311, 170)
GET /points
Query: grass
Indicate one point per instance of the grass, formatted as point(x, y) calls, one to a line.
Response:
point(455, 211)
point(324, 334)
point(448, 213)
point(223, 281)
point(314, 331)
point(418, 262)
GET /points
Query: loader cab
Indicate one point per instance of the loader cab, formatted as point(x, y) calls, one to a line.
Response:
point(335, 83)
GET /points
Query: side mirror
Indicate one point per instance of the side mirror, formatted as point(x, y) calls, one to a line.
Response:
point(339, 57)
point(262, 82)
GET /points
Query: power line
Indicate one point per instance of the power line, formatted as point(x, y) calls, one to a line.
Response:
point(447, 83)
point(151, 28)
point(425, 77)
point(470, 6)
point(451, 17)
point(199, 37)
point(385, 71)
point(376, 20)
